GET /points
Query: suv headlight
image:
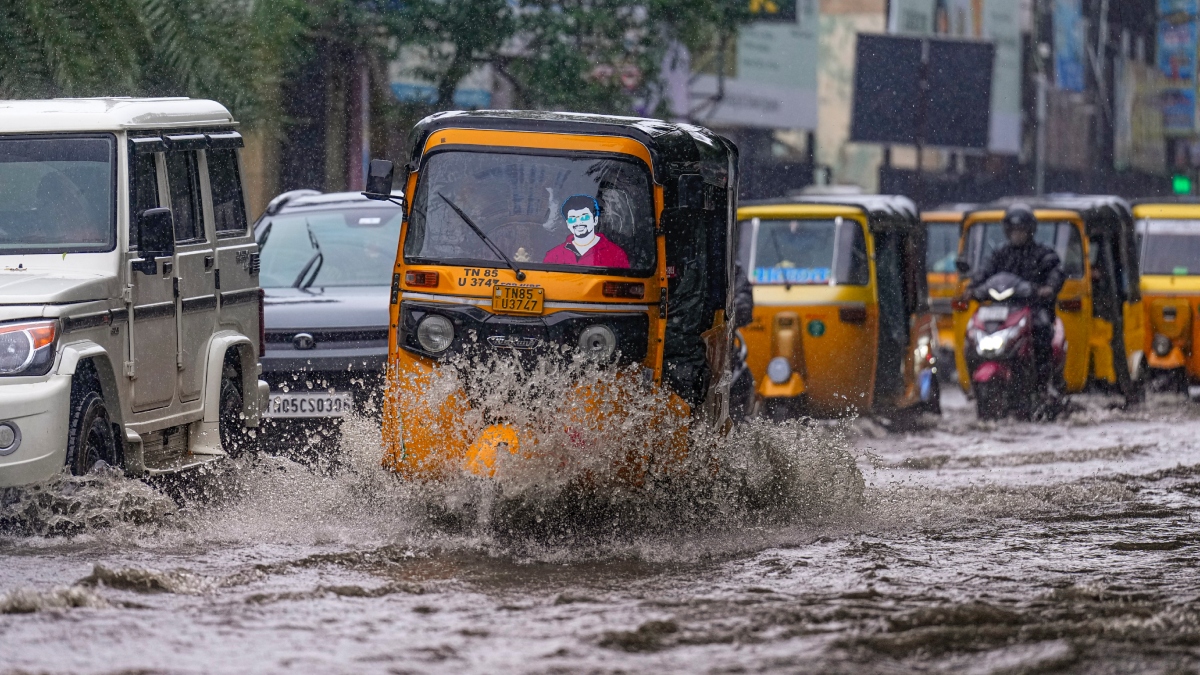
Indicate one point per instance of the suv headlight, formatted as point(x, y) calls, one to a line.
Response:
point(27, 348)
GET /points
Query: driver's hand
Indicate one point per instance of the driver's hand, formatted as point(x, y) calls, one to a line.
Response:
point(1045, 292)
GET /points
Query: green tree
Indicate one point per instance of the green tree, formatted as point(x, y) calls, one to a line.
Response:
point(230, 50)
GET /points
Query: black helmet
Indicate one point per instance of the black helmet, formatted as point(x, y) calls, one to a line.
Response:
point(1019, 217)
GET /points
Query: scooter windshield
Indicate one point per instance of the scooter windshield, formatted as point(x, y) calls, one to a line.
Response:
point(57, 194)
point(590, 214)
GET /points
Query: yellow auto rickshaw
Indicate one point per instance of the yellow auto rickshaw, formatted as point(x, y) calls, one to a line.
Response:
point(841, 319)
point(943, 227)
point(1099, 304)
point(531, 236)
point(1169, 238)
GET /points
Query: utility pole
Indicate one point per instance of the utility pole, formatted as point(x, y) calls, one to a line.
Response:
point(1041, 53)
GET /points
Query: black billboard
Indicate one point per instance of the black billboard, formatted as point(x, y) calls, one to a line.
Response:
point(892, 72)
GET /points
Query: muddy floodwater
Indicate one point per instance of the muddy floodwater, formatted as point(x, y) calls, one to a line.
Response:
point(958, 547)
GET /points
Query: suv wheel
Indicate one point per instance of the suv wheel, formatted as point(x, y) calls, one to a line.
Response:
point(90, 436)
point(235, 437)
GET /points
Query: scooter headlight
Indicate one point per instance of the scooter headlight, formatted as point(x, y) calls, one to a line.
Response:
point(598, 342)
point(27, 348)
point(435, 333)
point(779, 369)
point(993, 344)
point(1161, 345)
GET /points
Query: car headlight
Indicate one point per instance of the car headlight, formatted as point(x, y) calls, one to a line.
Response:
point(27, 348)
point(1161, 345)
point(598, 342)
point(435, 333)
point(779, 369)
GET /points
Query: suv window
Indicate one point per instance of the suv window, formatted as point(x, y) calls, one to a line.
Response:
point(229, 209)
point(143, 191)
point(184, 182)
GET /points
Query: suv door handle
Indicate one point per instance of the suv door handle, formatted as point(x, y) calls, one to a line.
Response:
point(208, 263)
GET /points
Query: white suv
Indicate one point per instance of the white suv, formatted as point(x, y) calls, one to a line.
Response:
point(130, 313)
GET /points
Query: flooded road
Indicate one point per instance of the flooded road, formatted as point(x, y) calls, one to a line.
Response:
point(961, 547)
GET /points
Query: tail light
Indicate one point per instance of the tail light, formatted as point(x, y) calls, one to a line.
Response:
point(1071, 304)
point(960, 305)
point(262, 323)
point(622, 289)
point(853, 314)
point(421, 279)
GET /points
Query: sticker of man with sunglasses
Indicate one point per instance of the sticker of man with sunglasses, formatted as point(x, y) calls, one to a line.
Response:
point(585, 246)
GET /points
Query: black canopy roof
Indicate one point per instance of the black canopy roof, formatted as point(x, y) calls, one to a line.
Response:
point(674, 148)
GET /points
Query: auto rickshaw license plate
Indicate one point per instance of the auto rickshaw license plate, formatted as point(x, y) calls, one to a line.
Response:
point(514, 299)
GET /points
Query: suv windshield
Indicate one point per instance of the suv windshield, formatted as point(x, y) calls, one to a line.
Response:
point(818, 251)
point(349, 246)
point(576, 213)
point(1170, 247)
point(57, 194)
point(984, 238)
point(942, 248)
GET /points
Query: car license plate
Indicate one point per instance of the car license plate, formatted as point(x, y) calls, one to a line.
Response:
point(310, 404)
point(993, 313)
point(514, 299)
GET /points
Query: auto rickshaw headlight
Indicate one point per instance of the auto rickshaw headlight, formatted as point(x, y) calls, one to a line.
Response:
point(779, 370)
point(435, 333)
point(1161, 345)
point(598, 342)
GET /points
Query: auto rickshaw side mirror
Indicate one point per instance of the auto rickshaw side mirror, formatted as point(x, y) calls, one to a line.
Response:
point(692, 193)
point(962, 266)
point(379, 180)
point(155, 238)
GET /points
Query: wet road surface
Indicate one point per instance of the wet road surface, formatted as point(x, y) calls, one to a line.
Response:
point(960, 547)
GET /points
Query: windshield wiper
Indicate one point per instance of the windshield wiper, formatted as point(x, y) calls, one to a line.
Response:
point(266, 234)
point(475, 228)
point(318, 259)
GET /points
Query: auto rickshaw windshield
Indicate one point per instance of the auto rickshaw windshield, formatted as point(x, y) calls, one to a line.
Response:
point(941, 248)
point(580, 213)
point(1170, 247)
point(984, 238)
point(807, 251)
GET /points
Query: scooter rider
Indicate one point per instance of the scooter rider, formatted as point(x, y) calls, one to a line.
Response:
point(1037, 264)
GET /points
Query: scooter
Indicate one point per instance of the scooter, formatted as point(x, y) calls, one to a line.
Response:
point(1000, 357)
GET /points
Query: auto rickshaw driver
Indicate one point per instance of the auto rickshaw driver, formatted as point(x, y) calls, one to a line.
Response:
point(585, 246)
point(1037, 264)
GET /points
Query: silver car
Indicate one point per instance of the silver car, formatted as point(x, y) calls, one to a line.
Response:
point(326, 269)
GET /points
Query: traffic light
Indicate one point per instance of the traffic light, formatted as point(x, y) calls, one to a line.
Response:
point(1181, 184)
point(773, 10)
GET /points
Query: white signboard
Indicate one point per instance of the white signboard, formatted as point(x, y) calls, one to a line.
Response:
point(776, 82)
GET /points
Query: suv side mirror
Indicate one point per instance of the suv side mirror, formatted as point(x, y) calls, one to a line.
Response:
point(962, 266)
point(379, 180)
point(156, 238)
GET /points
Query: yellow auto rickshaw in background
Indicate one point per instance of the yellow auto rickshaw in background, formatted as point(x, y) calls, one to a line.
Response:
point(532, 235)
point(1169, 238)
point(943, 227)
point(1099, 304)
point(841, 320)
